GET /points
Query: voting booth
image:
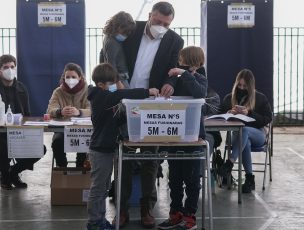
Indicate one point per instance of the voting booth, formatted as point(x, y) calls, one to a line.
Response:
point(237, 34)
point(49, 35)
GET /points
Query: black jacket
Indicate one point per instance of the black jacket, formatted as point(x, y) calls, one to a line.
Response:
point(262, 112)
point(105, 122)
point(193, 85)
point(166, 56)
point(19, 99)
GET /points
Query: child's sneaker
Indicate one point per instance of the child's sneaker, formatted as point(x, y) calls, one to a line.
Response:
point(189, 223)
point(175, 218)
point(100, 226)
point(107, 226)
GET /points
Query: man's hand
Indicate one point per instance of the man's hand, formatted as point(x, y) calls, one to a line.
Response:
point(154, 92)
point(167, 90)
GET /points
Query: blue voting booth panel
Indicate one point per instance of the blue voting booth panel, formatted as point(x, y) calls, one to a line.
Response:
point(136, 191)
point(43, 51)
point(231, 49)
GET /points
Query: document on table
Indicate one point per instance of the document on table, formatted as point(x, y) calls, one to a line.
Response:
point(25, 142)
point(81, 120)
point(60, 123)
point(36, 123)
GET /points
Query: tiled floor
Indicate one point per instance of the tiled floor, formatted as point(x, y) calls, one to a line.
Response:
point(280, 206)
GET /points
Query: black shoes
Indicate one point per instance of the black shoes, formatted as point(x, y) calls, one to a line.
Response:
point(10, 179)
point(249, 184)
point(7, 185)
point(17, 182)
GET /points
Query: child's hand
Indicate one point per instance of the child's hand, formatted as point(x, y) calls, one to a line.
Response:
point(120, 85)
point(154, 92)
point(176, 72)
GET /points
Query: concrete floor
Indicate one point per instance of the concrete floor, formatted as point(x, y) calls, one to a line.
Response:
point(280, 206)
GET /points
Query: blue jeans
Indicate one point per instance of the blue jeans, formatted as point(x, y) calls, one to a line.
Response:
point(251, 137)
point(184, 172)
point(101, 171)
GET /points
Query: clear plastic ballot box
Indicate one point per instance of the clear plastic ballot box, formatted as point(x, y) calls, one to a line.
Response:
point(176, 119)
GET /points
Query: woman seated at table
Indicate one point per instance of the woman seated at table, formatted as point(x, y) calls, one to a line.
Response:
point(246, 100)
point(69, 100)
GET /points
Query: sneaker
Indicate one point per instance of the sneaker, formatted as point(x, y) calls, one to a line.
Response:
point(107, 226)
point(98, 225)
point(188, 223)
point(175, 218)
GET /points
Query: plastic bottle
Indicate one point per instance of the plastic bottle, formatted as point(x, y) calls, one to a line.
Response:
point(9, 116)
point(2, 112)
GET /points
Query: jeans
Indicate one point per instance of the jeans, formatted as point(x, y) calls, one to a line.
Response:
point(251, 137)
point(101, 171)
point(184, 172)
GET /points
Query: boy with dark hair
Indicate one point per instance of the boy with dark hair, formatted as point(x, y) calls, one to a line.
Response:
point(104, 98)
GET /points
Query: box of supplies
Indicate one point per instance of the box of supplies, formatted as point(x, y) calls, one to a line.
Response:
point(163, 120)
point(70, 186)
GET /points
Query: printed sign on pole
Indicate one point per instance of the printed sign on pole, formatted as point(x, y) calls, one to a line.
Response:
point(241, 15)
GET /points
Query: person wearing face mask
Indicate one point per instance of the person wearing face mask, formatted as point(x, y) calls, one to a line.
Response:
point(116, 30)
point(184, 175)
point(68, 100)
point(104, 99)
point(151, 50)
point(245, 99)
point(15, 94)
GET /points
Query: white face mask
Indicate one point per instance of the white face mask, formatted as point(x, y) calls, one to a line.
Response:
point(158, 31)
point(9, 74)
point(71, 82)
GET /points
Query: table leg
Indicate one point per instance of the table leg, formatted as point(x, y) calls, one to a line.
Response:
point(209, 186)
point(118, 186)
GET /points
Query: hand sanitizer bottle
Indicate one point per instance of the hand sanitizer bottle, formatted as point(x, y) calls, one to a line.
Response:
point(2, 112)
point(9, 116)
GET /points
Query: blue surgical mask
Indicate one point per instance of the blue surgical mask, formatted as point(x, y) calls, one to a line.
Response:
point(120, 37)
point(112, 88)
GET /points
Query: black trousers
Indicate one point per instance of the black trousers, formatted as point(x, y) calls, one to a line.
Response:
point(21, 163)
point(60, 155)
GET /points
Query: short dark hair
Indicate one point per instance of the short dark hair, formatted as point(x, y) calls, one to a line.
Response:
point(6, 58)
point(72, 67)
point(104, 72)
point(164, 8)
